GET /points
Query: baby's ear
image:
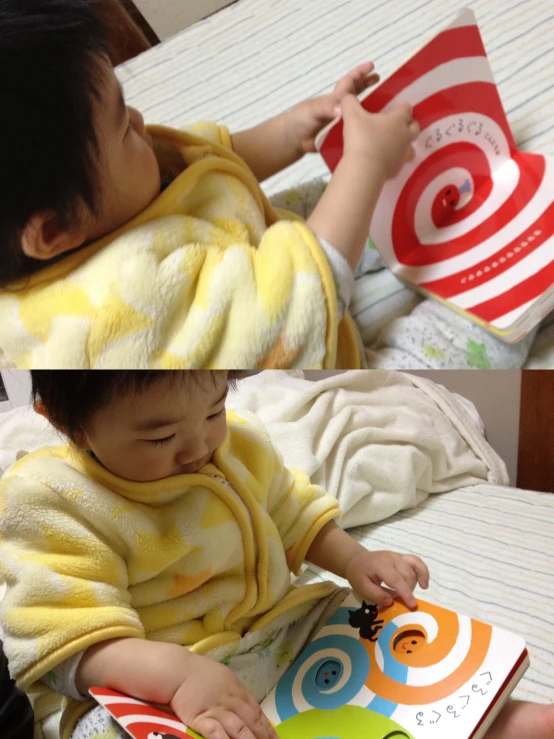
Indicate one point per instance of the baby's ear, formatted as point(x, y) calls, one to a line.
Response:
point(40, 408)
point(44, 237)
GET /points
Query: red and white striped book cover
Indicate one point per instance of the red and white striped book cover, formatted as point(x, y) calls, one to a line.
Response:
point(141, 720)
point(471, 220)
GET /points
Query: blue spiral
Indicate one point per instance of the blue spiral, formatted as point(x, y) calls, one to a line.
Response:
point(328, 668)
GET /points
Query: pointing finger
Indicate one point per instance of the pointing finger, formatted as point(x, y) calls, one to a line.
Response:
point(414, 130)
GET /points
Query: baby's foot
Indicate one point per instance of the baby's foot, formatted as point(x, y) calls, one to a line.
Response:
point(520, 719)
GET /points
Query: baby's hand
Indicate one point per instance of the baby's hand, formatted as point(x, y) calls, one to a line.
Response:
point(385, 138)
point(366, 572)
point(213, 702)
point(308, 118)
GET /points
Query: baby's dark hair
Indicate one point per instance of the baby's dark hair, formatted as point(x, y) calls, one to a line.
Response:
point(50, 75)
point(71, 397)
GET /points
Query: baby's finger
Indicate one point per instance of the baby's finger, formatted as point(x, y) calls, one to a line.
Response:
point(414, 129)
point(236, 727)
point(210, 728)
point(349, 105)
point(421, 569)
point(372, 593)
point(366, 81)
point(350, 81)
point(363, 69)
point(404, 112)
point(260, 718)
point(247, 709)
point(397, 583)
point(408, 573)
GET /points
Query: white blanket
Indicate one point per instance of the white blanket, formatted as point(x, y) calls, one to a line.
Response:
point(380, 442)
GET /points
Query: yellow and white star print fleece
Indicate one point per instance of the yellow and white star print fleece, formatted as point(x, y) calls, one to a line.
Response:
point(88, 556)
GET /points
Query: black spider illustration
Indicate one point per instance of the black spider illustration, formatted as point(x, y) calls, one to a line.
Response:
point(365, 619)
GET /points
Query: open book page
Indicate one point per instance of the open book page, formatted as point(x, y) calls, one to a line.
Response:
point(429, 672)
point(419, 674)
point(470, 220)
point(139, 719)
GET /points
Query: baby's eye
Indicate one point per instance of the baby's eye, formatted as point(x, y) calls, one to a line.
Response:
point(216, 415)
point(161, 442)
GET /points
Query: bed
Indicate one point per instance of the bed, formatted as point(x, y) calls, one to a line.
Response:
point(256, 58)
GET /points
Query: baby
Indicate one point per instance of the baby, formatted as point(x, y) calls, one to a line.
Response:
point(152, 555)
point(122, 245)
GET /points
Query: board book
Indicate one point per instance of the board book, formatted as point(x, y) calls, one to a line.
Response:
point(470, 221)
point(389, 674)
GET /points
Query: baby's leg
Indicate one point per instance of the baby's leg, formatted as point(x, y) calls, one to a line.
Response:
point(301, 199)
point(261, 658)
point(520, 719)
point(379, 298)
point(434, 336)
point(98, 724)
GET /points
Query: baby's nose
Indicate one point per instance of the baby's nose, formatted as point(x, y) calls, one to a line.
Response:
point(193, 452)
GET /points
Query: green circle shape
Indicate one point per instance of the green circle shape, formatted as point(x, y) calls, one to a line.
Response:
point(348, 722)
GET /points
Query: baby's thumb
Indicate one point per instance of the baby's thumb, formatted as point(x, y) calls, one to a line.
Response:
point(403, 113)
point(349, 105)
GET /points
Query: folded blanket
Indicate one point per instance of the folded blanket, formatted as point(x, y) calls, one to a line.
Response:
point(380, 442)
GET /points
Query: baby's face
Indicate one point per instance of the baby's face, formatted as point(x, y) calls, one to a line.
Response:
point(168, 429)
point(130, 175)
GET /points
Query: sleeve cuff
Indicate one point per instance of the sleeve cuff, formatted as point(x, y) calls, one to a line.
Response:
point(63, 678)
point(300, 555)
point(342, 275)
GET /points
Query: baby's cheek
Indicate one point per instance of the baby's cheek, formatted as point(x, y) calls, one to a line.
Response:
point(158, 462)
point(152, 167)
point(219, 433)
point(142, 177)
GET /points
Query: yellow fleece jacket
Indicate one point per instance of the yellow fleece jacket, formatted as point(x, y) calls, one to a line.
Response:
point(88, 556)
point(208, 276)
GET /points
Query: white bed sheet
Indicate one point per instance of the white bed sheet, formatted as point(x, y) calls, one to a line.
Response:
point(257, 58)
point(490, 550)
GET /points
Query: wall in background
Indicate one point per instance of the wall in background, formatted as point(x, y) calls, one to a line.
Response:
point(496, 395)
point(18, 386)
point(168, 17)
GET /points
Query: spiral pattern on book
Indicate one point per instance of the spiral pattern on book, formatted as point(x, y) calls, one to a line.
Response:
point(470, 220)
point(141, 720)
point(398, 657)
